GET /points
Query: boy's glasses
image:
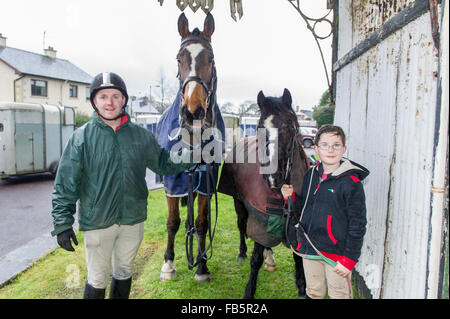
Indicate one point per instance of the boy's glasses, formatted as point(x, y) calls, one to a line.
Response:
point(326, 147)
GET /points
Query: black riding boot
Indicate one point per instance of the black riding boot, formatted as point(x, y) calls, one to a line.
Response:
point(120, 289)
point(93, 293)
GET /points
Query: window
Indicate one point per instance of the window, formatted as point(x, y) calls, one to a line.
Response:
point(1, 127)
point(38, 87)
point(88, 93)
point(73, 91)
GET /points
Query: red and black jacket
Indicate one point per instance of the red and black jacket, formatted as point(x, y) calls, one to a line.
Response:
point(335, 214)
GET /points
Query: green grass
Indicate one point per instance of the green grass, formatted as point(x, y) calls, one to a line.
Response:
point(62, 274)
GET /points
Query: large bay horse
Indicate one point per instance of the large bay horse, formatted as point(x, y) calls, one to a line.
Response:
point(194, 111)
point(272, 158)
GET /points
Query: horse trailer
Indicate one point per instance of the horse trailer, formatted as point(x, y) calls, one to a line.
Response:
point(32, 137)
point(232, 132)
point(148, 121)
point(249, 126)
point(391, 86)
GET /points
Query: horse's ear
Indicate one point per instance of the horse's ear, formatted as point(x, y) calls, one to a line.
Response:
point(208, 28)
point(287, 98)
point(183, 26)
point(261, 99)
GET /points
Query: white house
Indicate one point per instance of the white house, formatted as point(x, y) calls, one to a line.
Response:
point(42, 78)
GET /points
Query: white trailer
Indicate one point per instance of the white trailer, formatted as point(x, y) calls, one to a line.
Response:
point(32, 137)
point(148, 121)
point(232, 131)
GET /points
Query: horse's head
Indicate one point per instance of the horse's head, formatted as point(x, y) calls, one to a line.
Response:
point(281, 127)
point(197, 74)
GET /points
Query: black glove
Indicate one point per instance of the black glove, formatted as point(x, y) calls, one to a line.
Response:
point(64, 239)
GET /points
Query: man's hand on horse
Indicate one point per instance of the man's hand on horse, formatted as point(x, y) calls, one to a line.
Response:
point(64, 238)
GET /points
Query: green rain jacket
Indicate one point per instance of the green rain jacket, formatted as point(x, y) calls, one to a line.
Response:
point(105, 170)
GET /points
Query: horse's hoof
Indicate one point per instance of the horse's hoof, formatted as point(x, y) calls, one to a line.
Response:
point(168, 271)
point(202, 278)
point(270, 268)
point(269, 262)
point(241, 258)
point(167, 275)
point(302, 292)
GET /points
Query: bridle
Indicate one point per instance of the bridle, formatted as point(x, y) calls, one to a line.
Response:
point(293, 144)
point(210, 90)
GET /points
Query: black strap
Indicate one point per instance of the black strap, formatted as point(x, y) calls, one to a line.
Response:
point(275, 210)
point(275, 201)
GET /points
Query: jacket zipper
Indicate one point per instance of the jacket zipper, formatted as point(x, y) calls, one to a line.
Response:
point(116, 140)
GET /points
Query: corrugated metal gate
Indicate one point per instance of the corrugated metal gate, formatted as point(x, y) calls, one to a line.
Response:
point(391, 89)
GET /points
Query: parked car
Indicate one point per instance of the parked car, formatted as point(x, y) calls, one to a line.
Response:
point(308, 136)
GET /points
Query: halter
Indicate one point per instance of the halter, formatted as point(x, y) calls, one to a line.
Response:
point(292, 145)
point(211, 91)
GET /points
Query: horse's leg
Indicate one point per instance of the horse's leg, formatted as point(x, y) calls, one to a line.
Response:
point(255, 263)
point(242, 217)
point(299, 276)
point(201, 224)
point(168, 270)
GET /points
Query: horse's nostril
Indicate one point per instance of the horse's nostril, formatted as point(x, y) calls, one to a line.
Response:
point(199, 113)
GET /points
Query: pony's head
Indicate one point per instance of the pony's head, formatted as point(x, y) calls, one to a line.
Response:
point(197, 74)
point(280, 125)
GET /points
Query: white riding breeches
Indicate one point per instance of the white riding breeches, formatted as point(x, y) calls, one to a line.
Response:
point(117, 243)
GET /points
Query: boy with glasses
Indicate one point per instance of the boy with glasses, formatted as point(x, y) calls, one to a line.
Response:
point(331, 215)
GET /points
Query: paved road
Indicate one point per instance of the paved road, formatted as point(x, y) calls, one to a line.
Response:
point(25, 206)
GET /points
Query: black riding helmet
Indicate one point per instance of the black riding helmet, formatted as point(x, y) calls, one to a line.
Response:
point(107, 80)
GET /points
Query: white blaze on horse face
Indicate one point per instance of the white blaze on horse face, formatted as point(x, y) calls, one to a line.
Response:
point(273, 136)
point(194, 49)
point(273, 142)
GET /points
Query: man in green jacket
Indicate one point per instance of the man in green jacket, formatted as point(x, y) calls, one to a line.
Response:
point(103, 166)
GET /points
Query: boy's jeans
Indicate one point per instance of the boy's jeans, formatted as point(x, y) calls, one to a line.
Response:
point(319, 275)
point(121, 243)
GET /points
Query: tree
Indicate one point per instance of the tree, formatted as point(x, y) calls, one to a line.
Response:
point(324, 112)
point(227, 107)
point(248, 108)
point(167, 93)
point(81, 119)
point(324, 115)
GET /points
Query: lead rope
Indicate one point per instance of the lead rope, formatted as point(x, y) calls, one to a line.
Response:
point(190, 227)
point(332, 263)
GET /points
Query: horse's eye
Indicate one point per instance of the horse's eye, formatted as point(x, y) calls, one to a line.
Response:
point(211, 59)
point(178, 59)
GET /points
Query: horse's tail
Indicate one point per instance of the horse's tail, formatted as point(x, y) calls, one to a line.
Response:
point(184, 201)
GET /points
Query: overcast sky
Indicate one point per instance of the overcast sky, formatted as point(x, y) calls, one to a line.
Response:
point(269, 49)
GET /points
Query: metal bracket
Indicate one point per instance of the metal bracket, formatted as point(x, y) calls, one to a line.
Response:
point(311, 24)
point(208, 6)
point(236, 7)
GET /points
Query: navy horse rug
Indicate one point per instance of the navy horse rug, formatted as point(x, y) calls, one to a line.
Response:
point(169, 136)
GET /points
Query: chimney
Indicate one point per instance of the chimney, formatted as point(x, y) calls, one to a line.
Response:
point(2, 41)
point(50, 52)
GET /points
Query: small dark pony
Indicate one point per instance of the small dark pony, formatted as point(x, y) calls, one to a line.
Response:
point(194, 110)
point(272, 158)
